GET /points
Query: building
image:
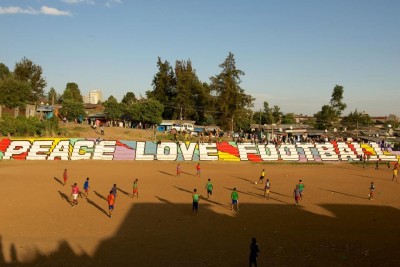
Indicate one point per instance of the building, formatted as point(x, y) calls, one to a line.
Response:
point(94, 97)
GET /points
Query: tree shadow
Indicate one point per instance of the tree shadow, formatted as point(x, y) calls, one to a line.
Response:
point(65, 197)
point(165, 232)
point(99, 195)
point(58, 180)
point(96, 206)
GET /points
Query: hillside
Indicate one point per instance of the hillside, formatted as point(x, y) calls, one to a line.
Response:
point(114, 133)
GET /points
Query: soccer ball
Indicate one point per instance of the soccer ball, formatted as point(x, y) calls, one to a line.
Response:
point(255, 183)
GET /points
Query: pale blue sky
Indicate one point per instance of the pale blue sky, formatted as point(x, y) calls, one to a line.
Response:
point(293, 52)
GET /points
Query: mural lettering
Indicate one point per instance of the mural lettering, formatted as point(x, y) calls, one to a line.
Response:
point(89, 149)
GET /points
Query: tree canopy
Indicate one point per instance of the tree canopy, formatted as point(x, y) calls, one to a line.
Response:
point(27, 71)
point(14, 92)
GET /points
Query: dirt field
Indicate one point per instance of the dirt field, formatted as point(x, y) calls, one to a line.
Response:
point(335, 224)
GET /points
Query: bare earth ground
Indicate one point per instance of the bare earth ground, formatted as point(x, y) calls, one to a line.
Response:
point(335, 224)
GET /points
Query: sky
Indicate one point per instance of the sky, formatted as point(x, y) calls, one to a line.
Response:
point(293, 52)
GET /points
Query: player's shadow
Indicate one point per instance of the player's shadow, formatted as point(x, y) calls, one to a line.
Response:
point(244, 179)
point(166, 173)
point(272, 192)
point(370, 177)
point(99, 195)
point(341, 193)
point(123, 192)
point(246, 193)
point(164, 200)
point(94, 204)
point(65, 197)
point(203, 198)
point(58, 180)
point(183, 189)
point(189, 174)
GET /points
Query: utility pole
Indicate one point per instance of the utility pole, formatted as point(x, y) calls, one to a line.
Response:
point(357, 131)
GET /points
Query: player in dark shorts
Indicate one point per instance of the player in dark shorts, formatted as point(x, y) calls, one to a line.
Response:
point(135, 189)
point(297, 195)
point(86, 187)
point(209, 188)
point(114, 191)
point(262, 176)
point(371, 191)
point(235, 199)
point(196, 198)
point(254, 250)
point(111, 202)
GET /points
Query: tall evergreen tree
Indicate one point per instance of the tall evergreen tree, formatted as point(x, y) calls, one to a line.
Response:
point(230, 97)
point(193, 97)
point(164, 88)
point(52, 96)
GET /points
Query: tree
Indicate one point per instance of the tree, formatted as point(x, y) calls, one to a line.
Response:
point(4, 70)
point(288, 118)
point(13, 92)
point(72, 92)
point(229, 95)
point(329, 114)
point(27, 71)
point(52, 96)
point(152, 111)
point(129, 98)
point(192, 96)
point(269, 118)
point(336, 100)
point(325, 118)
point(164, 89)
point(146, 111)
point(72, 110)
point(355, 119)
point(277, 114)
point(113, 109)
point(72, 102)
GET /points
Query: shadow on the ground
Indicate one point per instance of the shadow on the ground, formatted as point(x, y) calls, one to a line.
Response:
point(100, 195)
point(58, 180)
point(94, 204)
point(244, 179)
point(65, 197)
point(166, 173)
point(167, 234)
point(342, 193)
point(123, 192)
